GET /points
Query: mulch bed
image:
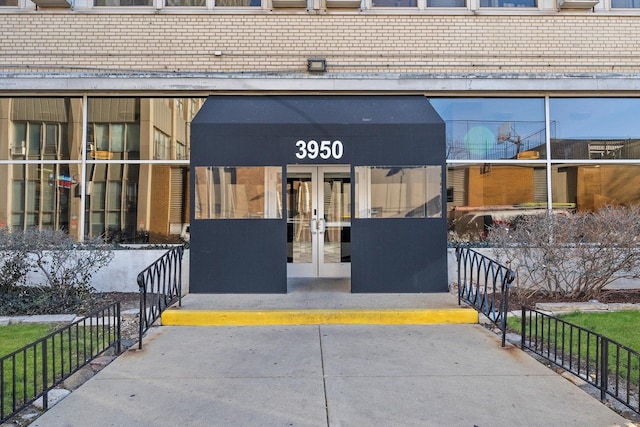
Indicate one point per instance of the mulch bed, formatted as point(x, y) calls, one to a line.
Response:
point(128, 300)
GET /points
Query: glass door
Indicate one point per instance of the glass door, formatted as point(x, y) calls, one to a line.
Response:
point(318, 221)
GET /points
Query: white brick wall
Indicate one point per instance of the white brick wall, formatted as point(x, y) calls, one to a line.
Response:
point(351, 43)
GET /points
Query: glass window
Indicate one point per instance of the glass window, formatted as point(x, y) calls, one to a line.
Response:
point(238, 192)
point(40, 128)
point(508, 3)
point(117, 138)
point(493, 128)
point(481, 195)
point(237, 3)
point(113, 3)
point(98, 195)
point(114, 194)
point(161, 145)
point(133, 141)
point(627, 4)
point(52, 134)
point(44, 198)
point(446, 3)
point(13, 3)
point(591, 187)
point(19, 146)
point(35, 140)
point(186, 3)
point(125, 208)
point(398, 191)
point(181, 151)
point(114, 130)
point(594, 128)
point(394, 3)
point(112, 203)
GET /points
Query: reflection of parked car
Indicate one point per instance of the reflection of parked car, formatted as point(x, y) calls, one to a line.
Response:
point(185, 233)
point(474, 222)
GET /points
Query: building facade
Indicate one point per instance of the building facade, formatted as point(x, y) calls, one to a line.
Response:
point(539, 98)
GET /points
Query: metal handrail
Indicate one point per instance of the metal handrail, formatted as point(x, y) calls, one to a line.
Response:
point(484, 284)
point(30, 372)
point(612, 368)
point(160, 285)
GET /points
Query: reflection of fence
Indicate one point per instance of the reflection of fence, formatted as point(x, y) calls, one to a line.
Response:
point(492, 140)
point(484, 284)
point(160, 285)
point(31, 372)
point(611, 367)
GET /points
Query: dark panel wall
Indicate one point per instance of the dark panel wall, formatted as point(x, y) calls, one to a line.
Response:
point(238, 256)
point(399, 255)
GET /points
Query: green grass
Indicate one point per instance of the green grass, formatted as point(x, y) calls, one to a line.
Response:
point(23, 375)
point(558, 341)
point(620, 326)
point(13, 337)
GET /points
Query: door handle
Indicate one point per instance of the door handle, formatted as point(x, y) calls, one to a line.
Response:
point(320, 225)
point(313, 226)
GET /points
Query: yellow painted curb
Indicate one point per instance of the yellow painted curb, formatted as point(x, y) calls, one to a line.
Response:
point(179, 317)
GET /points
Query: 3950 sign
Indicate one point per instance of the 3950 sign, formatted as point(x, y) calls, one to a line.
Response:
point(324, 149)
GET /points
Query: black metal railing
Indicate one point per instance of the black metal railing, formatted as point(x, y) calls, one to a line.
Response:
point(484, 284)
point(612, 368)
point(30, 372)
point(160, 285)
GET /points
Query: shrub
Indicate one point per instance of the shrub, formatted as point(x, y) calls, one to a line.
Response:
point(61, 271)
point(571, 255)
point(14, 264)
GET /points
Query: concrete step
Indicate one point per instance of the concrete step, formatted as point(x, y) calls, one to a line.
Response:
point(310, 308)
point(185, 317)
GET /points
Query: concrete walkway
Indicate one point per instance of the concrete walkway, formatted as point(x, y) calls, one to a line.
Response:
point(327, 375)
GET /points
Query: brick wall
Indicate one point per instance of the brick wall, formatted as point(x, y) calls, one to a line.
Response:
point(352, 43)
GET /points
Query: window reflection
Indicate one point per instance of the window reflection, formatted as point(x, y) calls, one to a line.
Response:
point(125, 202)
point(189, 3)
point(508, 3)
point(594, 128)
point(238, 192)
point(625, 4)
point(493, 128)
point(591, 187)
point(478, 196)
point(446, 3)
point(398, 192)
point(140, 128)
point(237, 3)
point(123, 3)
point(394, 3)
point(128, 200)
point(121, 208)
point(40, 196)
point(43, 128)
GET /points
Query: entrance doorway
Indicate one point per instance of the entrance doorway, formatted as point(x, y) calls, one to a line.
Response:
point(318, 221)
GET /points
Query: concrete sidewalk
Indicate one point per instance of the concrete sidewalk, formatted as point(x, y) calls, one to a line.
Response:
point(327, 375)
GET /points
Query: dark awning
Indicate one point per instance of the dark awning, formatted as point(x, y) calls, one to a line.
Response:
point(306, 109)
point(246, 130)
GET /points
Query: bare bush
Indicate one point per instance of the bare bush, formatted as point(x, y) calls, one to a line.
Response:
point(14, 265)
point(50, 268)
point(571, 255)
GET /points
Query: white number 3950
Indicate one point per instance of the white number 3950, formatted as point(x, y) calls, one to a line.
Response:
point(325, 149)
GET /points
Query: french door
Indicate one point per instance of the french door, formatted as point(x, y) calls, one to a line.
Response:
point(318, 221)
